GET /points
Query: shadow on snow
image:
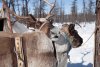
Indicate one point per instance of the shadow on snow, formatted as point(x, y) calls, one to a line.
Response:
point(79, 65)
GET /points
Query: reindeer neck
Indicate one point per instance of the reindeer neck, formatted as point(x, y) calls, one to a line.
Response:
point(46, 29)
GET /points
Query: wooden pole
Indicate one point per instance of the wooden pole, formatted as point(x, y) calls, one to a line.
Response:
point(97, 36)
point(8, 16)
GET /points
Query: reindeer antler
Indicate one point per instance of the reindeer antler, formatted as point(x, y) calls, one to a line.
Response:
point(52, 7)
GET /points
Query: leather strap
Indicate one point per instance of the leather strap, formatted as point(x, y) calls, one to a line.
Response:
point(19, 52)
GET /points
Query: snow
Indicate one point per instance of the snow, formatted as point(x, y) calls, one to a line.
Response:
point(20, 28)
point(83, 56)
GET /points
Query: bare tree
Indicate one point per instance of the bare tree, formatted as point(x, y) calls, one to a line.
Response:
point(25, 7)
point(35, 8)
point(84, 10)
point(56, 12)
point(90, 11)
point(62, 11)
point(42, 8)
point(74, 11)
point(36, 12)
point(39, 8)
point(12, 2)
point(18, 9)
point(90, 6)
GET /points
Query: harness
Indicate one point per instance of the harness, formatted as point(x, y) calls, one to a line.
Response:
point(70, 46)
point(68, 39)
point(42, 25)
point(19, 52)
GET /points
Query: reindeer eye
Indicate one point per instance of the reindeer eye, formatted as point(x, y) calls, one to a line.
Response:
point(59, 32)
point(52, 32)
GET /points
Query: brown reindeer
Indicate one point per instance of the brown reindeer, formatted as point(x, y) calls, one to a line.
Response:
point(38, 50)
point(43, 25)
point(46, 24)
point(64, 39)
point(72, 33)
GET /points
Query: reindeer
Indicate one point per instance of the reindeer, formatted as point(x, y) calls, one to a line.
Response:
point(67, 38)
point(64, 39)
point(43, 25)
point(38, 50)
point(41, 51)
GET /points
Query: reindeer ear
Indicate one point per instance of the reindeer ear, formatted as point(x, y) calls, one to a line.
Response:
point(71, 26)
point(32, 17)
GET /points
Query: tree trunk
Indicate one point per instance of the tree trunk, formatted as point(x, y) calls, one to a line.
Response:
point(26, 7)
point(97, 37)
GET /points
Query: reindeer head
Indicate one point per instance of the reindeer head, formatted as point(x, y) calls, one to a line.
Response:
point(47, 24)
point(73, 35)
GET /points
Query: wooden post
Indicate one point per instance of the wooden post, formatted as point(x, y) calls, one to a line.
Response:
point(97, 36)
point(9, 22)
point(8, 16)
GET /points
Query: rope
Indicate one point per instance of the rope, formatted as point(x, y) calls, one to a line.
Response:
point(82, 45)
point(88, 38)
point(42, 25)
